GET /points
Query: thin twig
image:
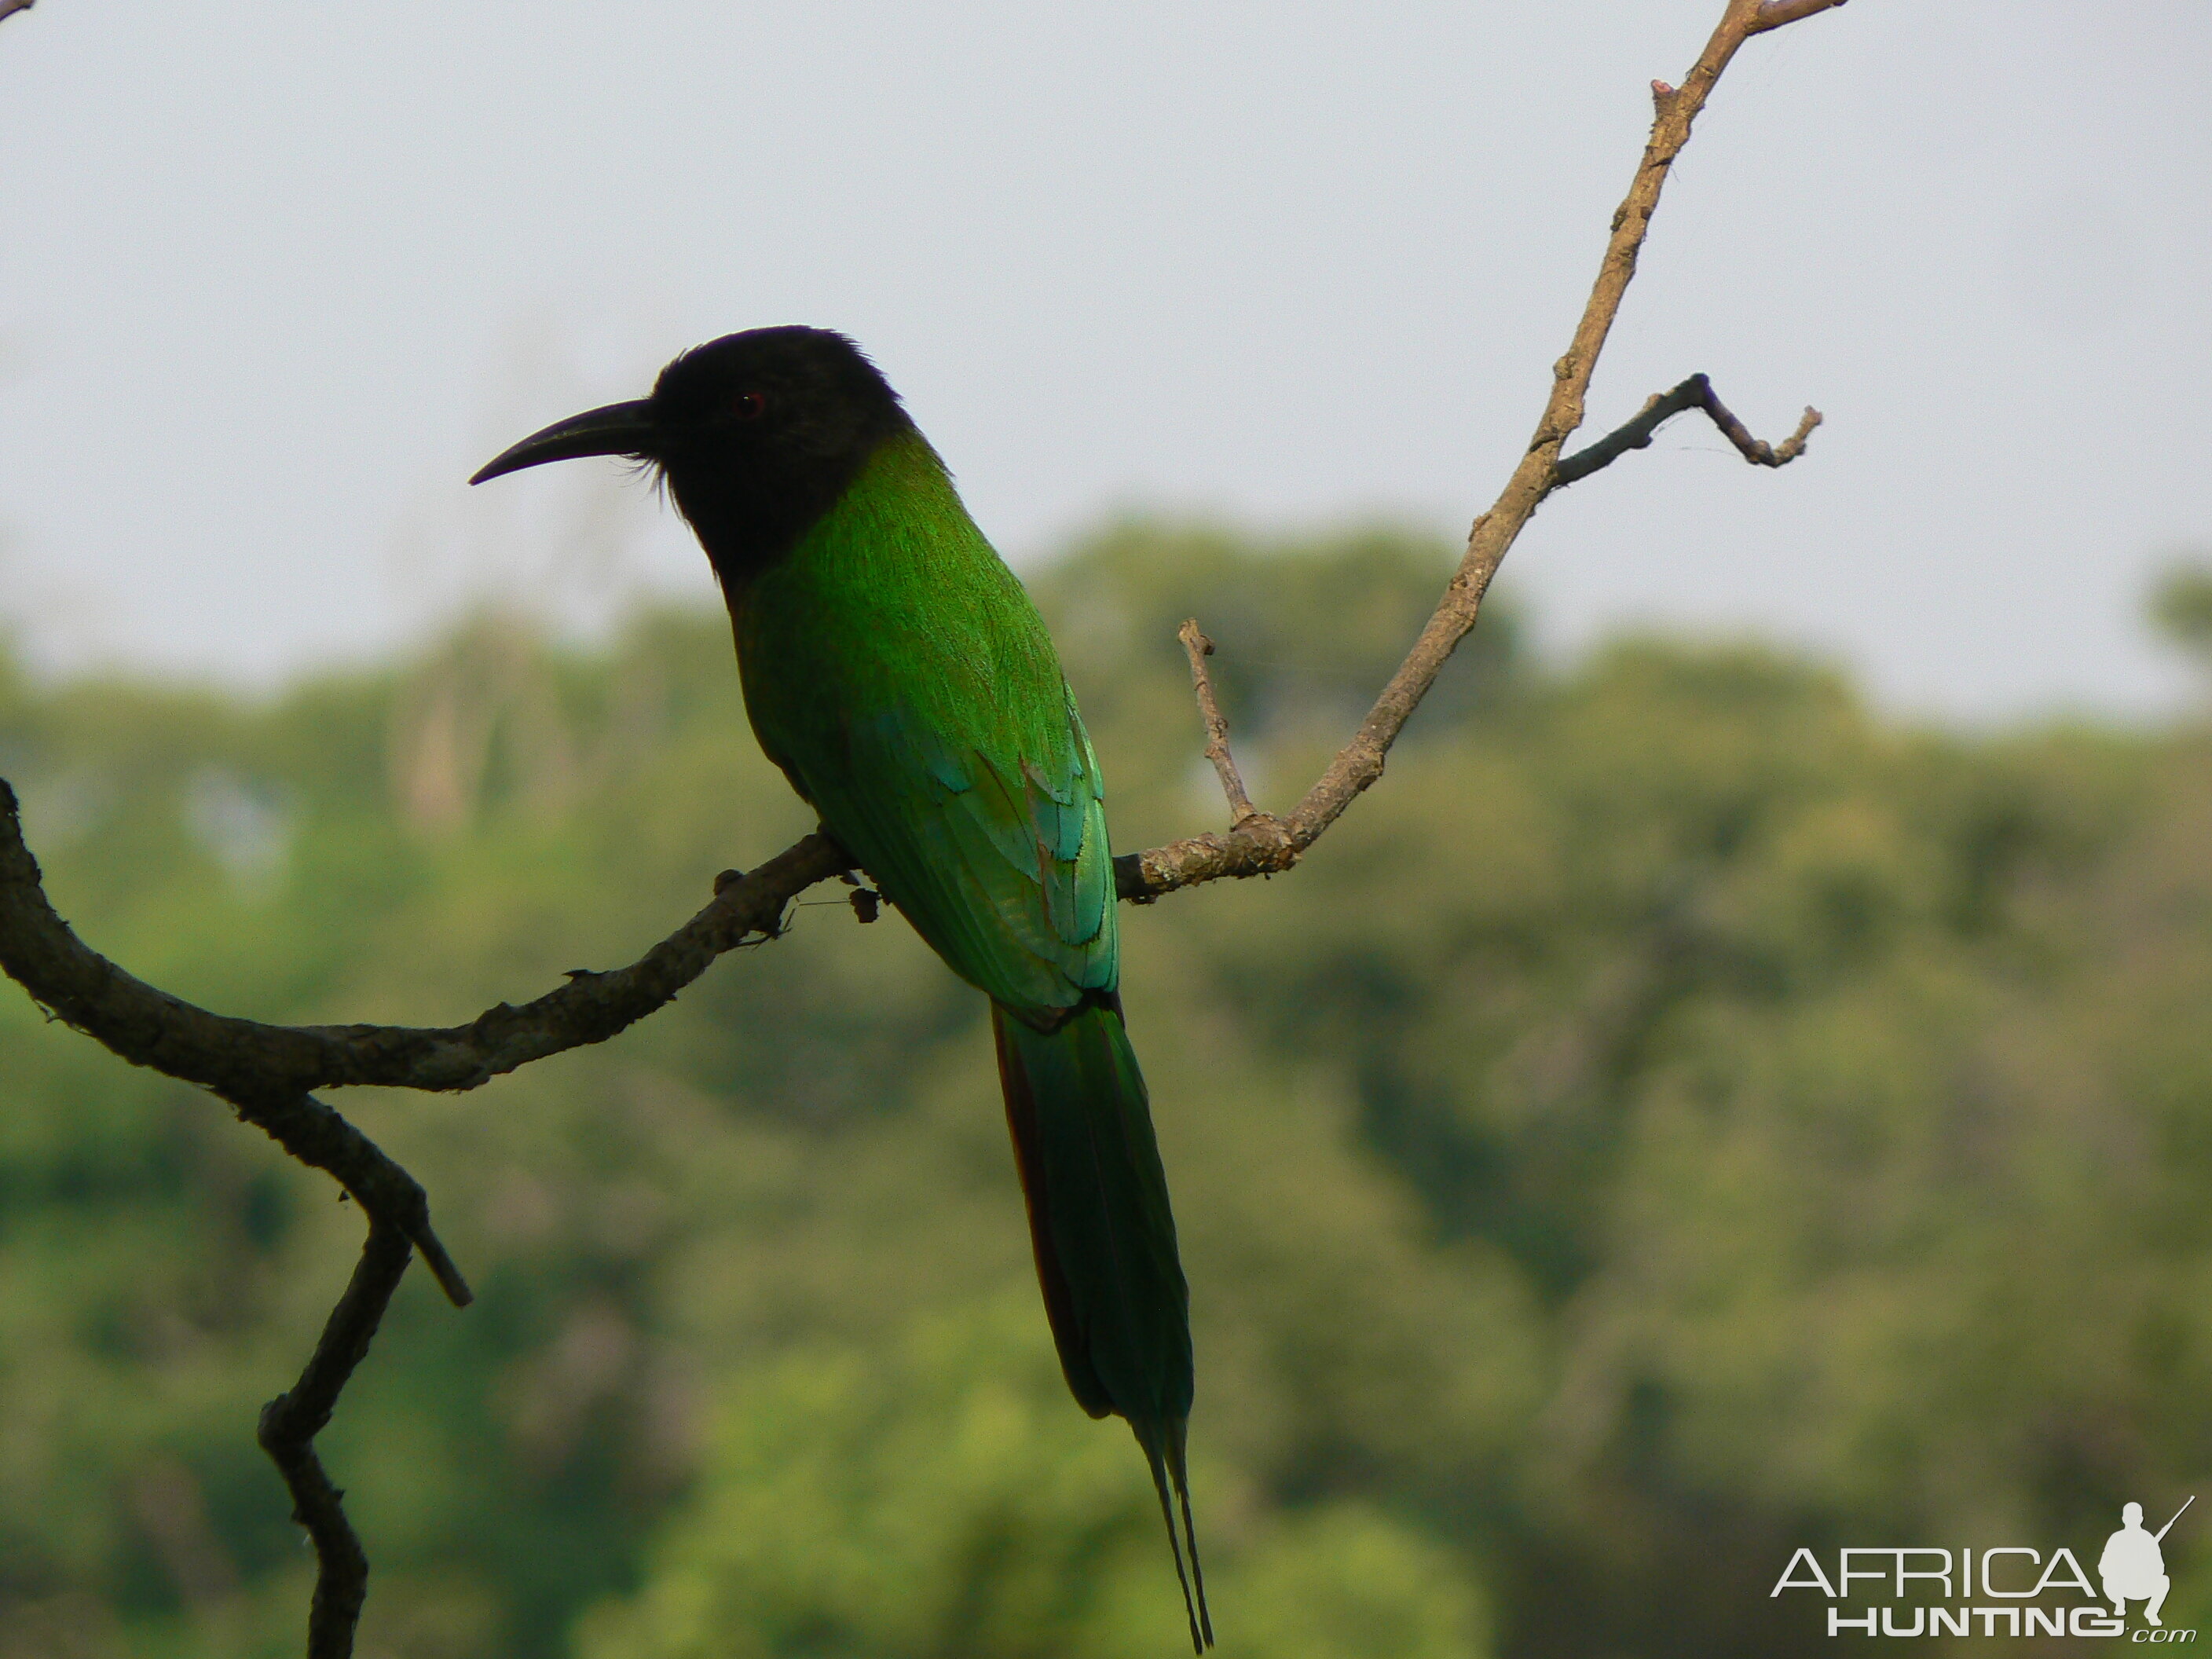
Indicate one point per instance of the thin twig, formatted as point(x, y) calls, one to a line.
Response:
point(1198, 648)
point(290, 1422)
point(1758, 451)
point(1696, 392)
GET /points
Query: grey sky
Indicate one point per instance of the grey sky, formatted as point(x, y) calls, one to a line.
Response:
point(275, 277)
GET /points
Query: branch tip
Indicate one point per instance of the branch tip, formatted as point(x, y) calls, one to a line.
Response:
point(442, 1267)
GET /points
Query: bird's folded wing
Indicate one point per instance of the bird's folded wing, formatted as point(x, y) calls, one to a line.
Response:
point(995, 850)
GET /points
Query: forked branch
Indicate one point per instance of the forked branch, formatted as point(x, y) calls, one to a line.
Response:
point(1264, 844)
point(265, 1071)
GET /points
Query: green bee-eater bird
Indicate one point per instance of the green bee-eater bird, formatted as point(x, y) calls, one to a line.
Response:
point(898, 673)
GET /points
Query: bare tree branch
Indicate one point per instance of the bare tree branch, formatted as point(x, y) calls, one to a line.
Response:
point(290, 1422)
point(1696, 392)
point(255, 1066)
point(267, 1072)
point(1263, 844)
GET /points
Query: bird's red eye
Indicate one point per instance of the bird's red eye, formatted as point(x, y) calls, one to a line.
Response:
point(749, 406)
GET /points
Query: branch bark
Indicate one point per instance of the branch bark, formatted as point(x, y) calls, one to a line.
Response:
point(268, 1073)
point(1775, 12)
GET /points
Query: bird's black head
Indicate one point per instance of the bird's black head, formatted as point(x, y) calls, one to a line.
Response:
point(756, 433)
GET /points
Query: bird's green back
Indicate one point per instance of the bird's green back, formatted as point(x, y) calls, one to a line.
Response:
point(900, 675)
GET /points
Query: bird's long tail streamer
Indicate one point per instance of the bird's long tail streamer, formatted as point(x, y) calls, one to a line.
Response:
point(1167, 1465)
point(1105, 1246)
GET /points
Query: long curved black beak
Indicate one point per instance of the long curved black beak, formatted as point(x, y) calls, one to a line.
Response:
point(616, 430)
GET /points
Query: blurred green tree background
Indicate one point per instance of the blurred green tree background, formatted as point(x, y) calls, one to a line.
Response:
point(1680, 1116)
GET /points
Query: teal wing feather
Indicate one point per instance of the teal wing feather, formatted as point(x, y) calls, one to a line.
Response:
point(996, 851)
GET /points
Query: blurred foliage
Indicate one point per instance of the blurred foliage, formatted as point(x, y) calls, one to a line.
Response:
point(2181, 605)
point(1679, 1116)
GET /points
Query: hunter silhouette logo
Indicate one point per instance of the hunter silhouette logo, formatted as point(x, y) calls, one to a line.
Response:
point(2133, 1567)
point(2011, 1582)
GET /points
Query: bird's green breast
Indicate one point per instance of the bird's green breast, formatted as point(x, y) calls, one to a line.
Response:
point(894, 596)
point(901, 676)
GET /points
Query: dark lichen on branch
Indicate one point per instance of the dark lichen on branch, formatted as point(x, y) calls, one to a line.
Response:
point(1696, 392)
